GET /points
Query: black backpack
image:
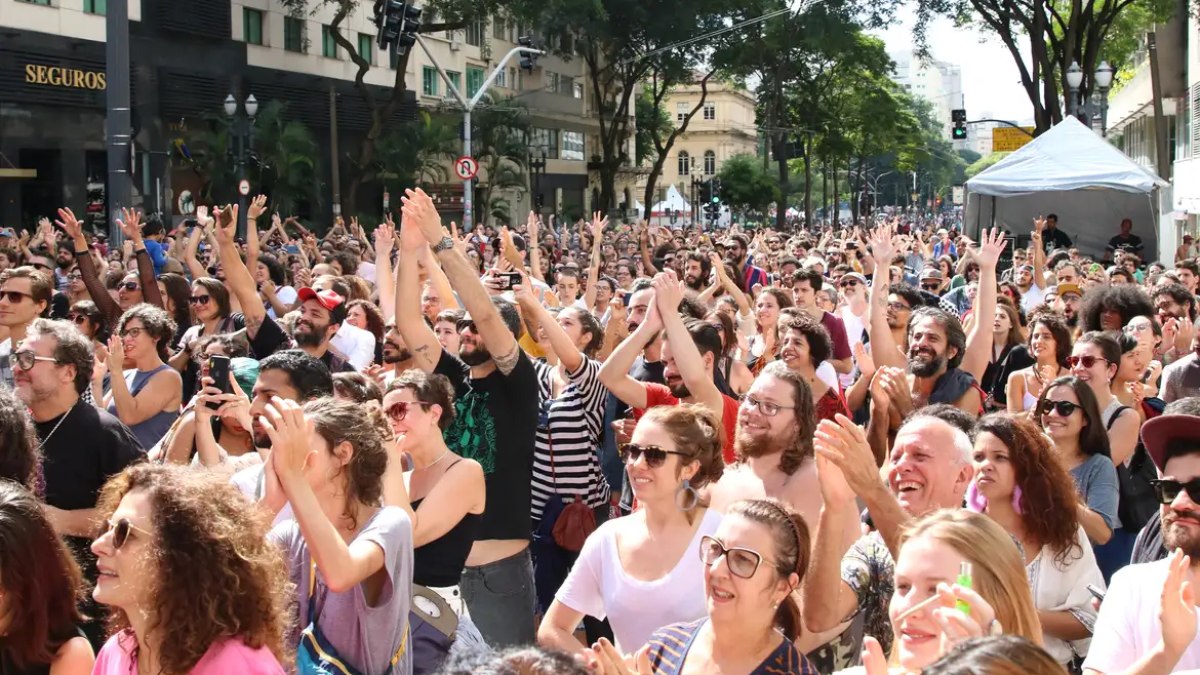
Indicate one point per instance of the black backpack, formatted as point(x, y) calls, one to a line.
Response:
point(1138, 503)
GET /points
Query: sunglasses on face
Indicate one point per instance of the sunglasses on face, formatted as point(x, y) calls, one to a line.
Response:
point(850, 283)
point(199, 299)
point(1167, 489)
point(120, 532)
point(765, 407)
point(742, 562)
point(399, 410)
point(1085, 361)
point(78, 319)
point(40, 266)
point(25, 359)
point(130, 286)
point(931, 286)
point(655, 456)
point(1063, 408)
point(14, 297)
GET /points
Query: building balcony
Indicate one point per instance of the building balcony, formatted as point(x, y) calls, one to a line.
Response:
point(553, 103)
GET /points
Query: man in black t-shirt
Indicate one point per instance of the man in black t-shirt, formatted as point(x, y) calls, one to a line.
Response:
point(1126, 241)
point(81, 445)
point(495, 421)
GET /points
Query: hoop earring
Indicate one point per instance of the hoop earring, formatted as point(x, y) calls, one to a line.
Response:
point(686, 497)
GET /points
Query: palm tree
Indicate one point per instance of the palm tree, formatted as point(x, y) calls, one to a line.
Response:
point(413, 154)
point(285, 153)
point(499, 140)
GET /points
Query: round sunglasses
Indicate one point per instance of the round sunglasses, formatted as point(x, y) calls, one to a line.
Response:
point(120, 532)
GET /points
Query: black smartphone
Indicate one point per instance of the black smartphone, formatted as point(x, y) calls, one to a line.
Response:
point(625, 296)
point(508, 280)
point(1096, 592)
point(218, 370)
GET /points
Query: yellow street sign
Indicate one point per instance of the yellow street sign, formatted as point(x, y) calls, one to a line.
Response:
point(1007, 139)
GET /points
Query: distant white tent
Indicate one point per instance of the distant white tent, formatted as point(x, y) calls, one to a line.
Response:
point(1085, 180)
point(660, 213)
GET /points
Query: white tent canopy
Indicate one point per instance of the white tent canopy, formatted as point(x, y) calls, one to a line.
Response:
point(673, 201)
point(1072, 172)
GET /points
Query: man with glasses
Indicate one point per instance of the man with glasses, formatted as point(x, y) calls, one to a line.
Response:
point(1143, 623)
point(25, 293)
point(496, 405)
point(747, 276)
point(82, 446)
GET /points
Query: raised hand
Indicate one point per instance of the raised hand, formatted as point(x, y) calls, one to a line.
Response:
point(419, 209)
point(864, 360)
point(1177, 606)
point(385, 236)
point(835, 489)
point(845, 445)
point(226, 227)
point(100, 363)
point(288, 429)
point(531, 229)
point(70, 224)
point(116, 354)
point(202, 216)
point(667, 294)
point(599, 222)
point(991, 245)
point(256, 207)
point(883, 244)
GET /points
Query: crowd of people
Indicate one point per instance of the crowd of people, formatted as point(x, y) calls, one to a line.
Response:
point(594, 448)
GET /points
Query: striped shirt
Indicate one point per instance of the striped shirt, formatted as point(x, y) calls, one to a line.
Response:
point(570, 425)
point(669, 646)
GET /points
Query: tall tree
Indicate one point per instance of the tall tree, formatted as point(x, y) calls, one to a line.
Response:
point(657, 89)
point(745, 185)
point(1058, 33)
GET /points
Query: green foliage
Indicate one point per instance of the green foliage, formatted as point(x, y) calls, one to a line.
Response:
point(413, 154)
point(653, 126)
point(745, 185)
point(499, 140)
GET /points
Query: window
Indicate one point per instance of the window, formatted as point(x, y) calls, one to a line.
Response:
point(685, 163)
point(578, 92)
point(710, 111)
point(455, 79)
point(551, 81)
point(94, 6)
point(572, 145)
point(429, 81)
point(293, 34)
point(501, 29)
point(566, 85)
point(366, 47)
point(544, 140)
point(710, 162)
point(681, 111)
point(329, 46)
point(45, 3)
point(475, 32)
point(252, 24)
point(501, 78)
point(513, 81)
point(474, 80)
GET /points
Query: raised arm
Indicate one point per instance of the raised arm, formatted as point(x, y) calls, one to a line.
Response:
point(257, 206)
point(131, 227)
point(598, 224)
point(560, 343)
point(979, 342)
point(739, 297)
point(535, 250)
point(614, 373)
point(437, 278)
point(643, 236)
point(884, 349)
point(385, 283)
point(1039, 252)
point(465, 280)
point(827, 599)
point(87, 267)
point(417, 335)
point(688, 359)
point(237, 277)
point(193, 245)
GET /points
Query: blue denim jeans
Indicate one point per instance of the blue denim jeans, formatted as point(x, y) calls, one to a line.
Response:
point(500, 596)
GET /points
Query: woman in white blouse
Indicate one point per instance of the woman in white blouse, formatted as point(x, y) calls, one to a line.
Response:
point(641, 572)
point(1022, 485)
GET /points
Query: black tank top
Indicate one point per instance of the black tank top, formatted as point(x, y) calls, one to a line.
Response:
point(440, 562)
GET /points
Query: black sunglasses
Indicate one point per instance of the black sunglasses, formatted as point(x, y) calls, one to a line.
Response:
point(199, 299)
point(655, 456)
point(931, 286)
point(120, 532)
point(1063, 408)
point(77, 318)
point(14, 297)
point(1168, 489)
point(130, 285)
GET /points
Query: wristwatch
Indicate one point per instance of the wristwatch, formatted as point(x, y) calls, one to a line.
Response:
point(444, 245)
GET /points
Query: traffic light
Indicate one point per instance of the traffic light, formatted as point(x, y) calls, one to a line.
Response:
point(959, 118)
point(716, 191)
point(410, 25)
point(706, 193)
point(399, 22)
point(528, 61)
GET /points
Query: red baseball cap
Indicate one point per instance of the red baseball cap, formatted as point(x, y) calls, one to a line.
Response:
point(330, 300)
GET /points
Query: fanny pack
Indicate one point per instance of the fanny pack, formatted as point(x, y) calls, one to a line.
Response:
point(434, 626)
point(315, 656)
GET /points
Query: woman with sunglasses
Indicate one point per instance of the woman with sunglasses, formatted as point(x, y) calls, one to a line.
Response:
point(1067, 412)
point(351, 557)
point(443, 493)
point(147, 397)
point(1095, 359)
point(641, 572)
point(1022, 485)
point(130, 290)
point(89, 320)
point(190, 579)
point(753, 565)
point(1050, 345)
point(210, 303)
point(39, 593)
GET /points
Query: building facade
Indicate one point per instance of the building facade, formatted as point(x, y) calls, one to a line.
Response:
point(938, 82)
point(186, 56)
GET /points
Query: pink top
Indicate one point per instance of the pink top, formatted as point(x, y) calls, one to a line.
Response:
point(228, 655)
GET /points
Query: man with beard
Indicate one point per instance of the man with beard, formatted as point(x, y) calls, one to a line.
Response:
point(929, 468)
point(696, 270)
point(321, 314)
point(1147, 621)
point(82, 446)
point(805, 284)
point(747, 276)
point(1031, 279)
point(1066, 302)
point(24, 296)
point(496, 406)
point(396, 357)
point(689, 353)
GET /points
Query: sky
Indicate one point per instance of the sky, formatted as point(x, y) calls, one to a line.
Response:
point(991, 81)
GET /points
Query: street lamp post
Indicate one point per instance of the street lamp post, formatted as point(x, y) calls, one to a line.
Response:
point(240, 132)
point(537, 169)
point(1074, 81)
point(1104, 77)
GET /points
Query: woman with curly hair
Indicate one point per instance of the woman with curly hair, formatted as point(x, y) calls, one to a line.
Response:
point(39, 593)
point(192, 583)
point(365, 314)
point(351, 559)
point(1022, 485)
point(147, 397)
point(20, 460)
point(804, 345)
point(1111, 307)
point(1050, 345)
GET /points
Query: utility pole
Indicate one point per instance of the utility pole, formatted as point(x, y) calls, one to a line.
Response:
point(335, 173)
point(1163, 163)
point(468, 107)
point(118, 123)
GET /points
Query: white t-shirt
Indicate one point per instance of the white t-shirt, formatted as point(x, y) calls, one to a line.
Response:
point(286, 296)
point(854, 335)
point(1032, 298)
point(249, 482)
point(599, 587)
point(356, 344)
point(1128, 628)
